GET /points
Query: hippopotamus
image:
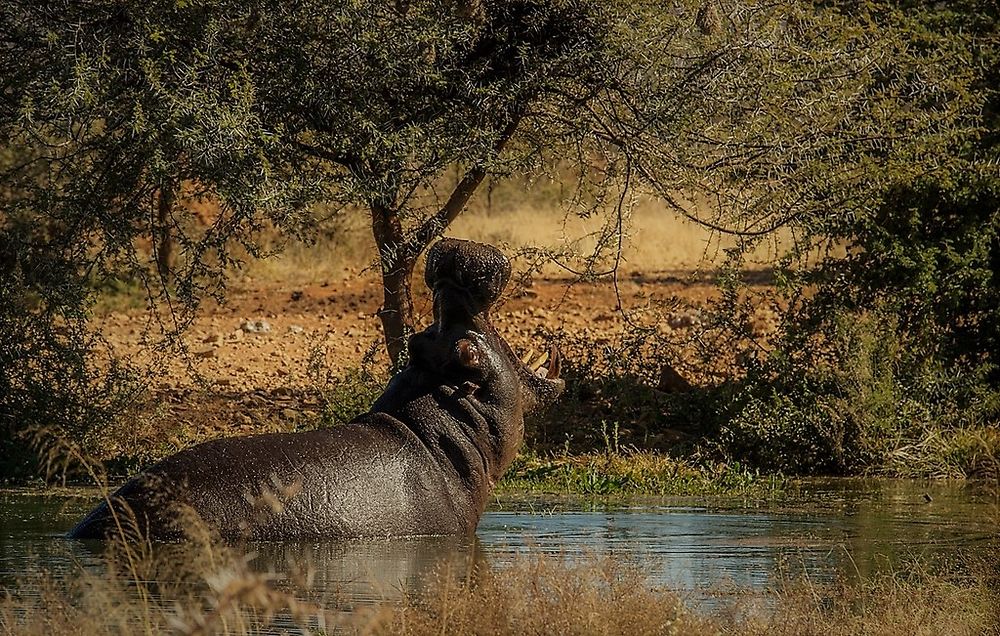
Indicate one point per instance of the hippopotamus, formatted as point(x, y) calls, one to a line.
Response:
point(422, 461)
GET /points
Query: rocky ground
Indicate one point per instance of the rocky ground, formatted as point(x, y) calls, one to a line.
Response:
point(263, 360)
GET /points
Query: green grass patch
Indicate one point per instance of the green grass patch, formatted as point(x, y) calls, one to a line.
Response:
point(633, 473)
point(119, 295)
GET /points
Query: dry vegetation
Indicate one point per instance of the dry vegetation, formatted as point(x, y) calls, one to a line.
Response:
point(204, 587)
point(523, 219)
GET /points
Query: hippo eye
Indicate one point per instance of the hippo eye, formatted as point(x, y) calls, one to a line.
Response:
point(468, 354)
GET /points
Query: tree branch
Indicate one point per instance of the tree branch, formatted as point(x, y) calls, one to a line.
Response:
point(459, 197)
point(347, 161)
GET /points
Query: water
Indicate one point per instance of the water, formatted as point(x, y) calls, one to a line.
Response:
point(825, 528)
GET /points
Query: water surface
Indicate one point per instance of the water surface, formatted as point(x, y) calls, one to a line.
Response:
point(826, 528)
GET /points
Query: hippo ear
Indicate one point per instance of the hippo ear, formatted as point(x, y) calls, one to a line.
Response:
point(468, 353)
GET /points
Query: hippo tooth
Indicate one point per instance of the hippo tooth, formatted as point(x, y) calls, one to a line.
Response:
point(528, 355)
point(537, 364)
point(554, 359)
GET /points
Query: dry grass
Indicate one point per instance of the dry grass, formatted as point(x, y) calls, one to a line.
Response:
point(205, 587)
point(911, 602)
point(540, 595)
point(519, 221)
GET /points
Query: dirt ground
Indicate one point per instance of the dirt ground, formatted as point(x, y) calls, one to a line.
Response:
point(262, 360)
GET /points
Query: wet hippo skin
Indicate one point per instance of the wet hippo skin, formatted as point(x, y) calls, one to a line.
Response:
point(423, 461)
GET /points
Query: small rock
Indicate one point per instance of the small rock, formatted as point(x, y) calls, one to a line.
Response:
point(255, 326)
point(205, 353)
point(211, 338)
point(296, 295)
point(684, 319)
point(295, 329)
point(290, 414)
point(237, 335)
point(671, 381)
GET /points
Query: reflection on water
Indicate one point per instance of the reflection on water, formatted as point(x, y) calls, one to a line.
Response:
point(850, 527)
point(359, 572)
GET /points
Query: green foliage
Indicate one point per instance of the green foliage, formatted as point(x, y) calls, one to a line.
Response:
point(887, 356)
point(930, 255)
point(861, 401)
point(629, 473)
point(52, 374)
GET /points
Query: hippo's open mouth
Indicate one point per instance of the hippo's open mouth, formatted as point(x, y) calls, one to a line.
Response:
point(467, 279)
point(540, 380)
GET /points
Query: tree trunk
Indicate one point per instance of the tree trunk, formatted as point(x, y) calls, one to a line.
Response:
point(397, 262)
point(163, 241)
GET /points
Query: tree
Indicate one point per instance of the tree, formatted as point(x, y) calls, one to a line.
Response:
point(117, 114)
point(776, 115)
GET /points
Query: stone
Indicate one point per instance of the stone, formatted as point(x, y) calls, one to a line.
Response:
point(255, 326)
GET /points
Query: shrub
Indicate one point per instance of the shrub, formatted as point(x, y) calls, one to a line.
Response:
point(861, 400)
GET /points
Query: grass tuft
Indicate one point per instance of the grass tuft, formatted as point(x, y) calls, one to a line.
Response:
point(630, 472)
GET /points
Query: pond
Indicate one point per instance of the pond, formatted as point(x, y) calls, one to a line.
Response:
point(825, 528)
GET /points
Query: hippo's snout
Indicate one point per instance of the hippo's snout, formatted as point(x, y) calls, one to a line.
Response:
point(467, 278)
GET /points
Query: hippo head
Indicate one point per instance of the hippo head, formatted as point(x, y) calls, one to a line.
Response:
point(464, 351)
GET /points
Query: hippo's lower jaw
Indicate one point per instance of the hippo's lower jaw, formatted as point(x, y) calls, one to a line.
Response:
point(423, 461)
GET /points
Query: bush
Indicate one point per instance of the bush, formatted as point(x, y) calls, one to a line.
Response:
point(887, 359)
point(862, 401)
point(50, 376)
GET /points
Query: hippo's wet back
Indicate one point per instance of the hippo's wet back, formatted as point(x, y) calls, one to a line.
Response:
point(423, 461)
